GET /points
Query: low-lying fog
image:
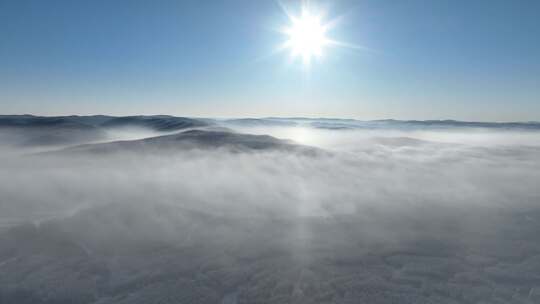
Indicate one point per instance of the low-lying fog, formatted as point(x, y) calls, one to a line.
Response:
point(363, 169)
point(441, 215)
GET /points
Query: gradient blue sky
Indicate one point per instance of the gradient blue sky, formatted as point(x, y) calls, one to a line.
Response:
point(425, 59)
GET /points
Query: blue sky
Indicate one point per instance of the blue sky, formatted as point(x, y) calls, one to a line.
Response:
point(439, 59)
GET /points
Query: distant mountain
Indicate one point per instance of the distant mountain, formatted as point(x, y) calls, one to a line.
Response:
point(345, 124)
point(471, 124)
point(167, 123)
point(156, 122)
point(162, 123)
point(334, 125)
point(194, 139)
point(259, 122)
point(338, 124)
point(30, 121)
point(29, 130)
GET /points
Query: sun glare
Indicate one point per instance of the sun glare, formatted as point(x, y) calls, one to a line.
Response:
point(306, 36)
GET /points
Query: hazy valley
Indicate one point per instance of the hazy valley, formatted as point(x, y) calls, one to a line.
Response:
point(148, 209)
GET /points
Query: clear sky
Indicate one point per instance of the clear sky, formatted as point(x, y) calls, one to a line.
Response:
point(420, 59)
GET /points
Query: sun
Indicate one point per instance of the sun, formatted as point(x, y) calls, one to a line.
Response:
point(306, 36)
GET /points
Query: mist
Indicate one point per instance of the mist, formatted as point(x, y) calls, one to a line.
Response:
point(430, 208)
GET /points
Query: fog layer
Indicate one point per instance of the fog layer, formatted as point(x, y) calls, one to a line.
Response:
point(330, 215)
